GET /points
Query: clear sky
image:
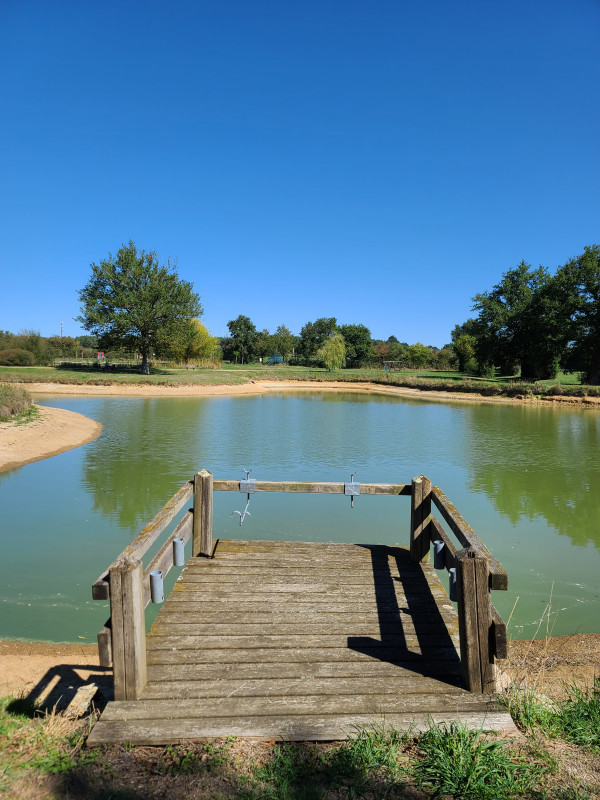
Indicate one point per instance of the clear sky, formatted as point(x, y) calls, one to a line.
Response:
point(380, 162)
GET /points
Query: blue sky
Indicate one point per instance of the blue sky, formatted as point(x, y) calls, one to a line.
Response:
point(380, 162)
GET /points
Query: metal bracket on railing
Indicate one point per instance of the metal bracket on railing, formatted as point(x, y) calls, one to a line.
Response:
point(352, 488)
point(247, 486)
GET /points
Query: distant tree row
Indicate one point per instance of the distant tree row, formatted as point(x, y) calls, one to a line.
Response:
point(318, 341)
point(532, 322)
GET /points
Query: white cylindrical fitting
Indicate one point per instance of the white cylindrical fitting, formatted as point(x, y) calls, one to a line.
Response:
point(178, 552)
point(452, 584)
point(157, 593)
point(439, 562)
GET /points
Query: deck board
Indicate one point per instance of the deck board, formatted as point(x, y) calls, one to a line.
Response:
point(299, 641)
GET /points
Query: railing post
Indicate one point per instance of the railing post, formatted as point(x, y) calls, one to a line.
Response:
point(202, 544)
point(420, 515)
point(128, 628)
point(474, 621)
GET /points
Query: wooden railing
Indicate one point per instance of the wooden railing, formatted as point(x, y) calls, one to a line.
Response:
point(122, 642)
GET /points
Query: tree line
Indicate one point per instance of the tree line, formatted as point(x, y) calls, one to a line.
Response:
point(324, 342)
point(533, 322)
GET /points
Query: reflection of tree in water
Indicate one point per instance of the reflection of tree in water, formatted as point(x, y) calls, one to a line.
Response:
point(539, 462)
point(143, 456)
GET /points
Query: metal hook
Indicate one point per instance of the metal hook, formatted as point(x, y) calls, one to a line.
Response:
point(246, 485)
point(352, 488)
point(243, 514)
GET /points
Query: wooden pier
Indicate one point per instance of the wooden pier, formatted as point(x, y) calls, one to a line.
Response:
point(301, 640)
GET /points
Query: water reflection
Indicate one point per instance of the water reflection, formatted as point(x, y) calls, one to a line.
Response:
point(146, 451)
point(539, 462)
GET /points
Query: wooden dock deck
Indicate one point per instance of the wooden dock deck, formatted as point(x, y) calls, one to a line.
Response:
point(300, 641)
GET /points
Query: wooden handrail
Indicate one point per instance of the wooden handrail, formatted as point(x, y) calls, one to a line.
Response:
point(468, 538)
point(314, 487)
point(145, 538)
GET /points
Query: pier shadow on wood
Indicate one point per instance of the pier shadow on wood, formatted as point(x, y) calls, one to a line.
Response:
point(435, 654)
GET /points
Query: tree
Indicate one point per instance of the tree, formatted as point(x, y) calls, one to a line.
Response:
point(243, 337)
point(284, 341)
point(579, 280)
point(358, 344)
point(189, 342)
point(419, 354)
point(132, 301)
point(333, 352)
point(314, 334)
point(520, 326)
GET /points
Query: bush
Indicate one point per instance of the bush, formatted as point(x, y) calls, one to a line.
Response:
point(13, 401)
point(16, 358)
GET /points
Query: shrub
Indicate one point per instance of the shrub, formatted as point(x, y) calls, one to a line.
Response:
point(16, 358)
point(13, 401)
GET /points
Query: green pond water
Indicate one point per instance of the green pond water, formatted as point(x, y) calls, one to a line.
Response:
point(526, 478)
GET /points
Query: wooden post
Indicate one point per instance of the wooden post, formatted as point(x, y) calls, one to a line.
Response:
point(202, 544)
point(474, 621)
point(420, 516)
point(128, 629)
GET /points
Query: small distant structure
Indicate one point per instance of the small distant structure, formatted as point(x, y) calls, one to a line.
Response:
point(275, 359)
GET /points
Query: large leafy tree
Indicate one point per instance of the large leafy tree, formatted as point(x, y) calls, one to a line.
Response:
point(243, 337)
point(579, 281)
point(131, 300)
point(314, 334)
point(284, 341)
point(358, 344)
point(190, 342)
point(520, 324)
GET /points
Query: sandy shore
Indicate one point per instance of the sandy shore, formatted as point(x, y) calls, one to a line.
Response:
point(54, 431)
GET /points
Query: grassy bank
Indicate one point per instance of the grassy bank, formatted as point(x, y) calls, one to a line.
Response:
point(230, 374)
point(557, 758)
point(15, 403)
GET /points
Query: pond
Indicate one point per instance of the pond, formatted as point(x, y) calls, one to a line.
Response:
point(524, 477)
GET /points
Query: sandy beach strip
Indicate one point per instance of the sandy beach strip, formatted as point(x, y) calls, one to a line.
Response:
point(52, 432)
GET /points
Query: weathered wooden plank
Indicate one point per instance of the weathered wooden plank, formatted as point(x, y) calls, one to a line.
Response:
point(356, 627)
point(314, 487)
point(444, 671)
point(368, 650)
point(145, 538)
point(163, 560)
point(304, 685)
point(468, 538)
point(289, 728)
point(241, 706)
point(181, 641)
point(398, 587)
point(466, 589)
point(203, 514)
point(337, 600)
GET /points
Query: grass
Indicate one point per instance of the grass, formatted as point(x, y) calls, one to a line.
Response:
point(44, 756)
point(15, 404)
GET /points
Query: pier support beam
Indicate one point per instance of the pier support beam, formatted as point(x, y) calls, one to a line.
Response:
point(420, 516)
point(202, 543)
point(128, 628)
